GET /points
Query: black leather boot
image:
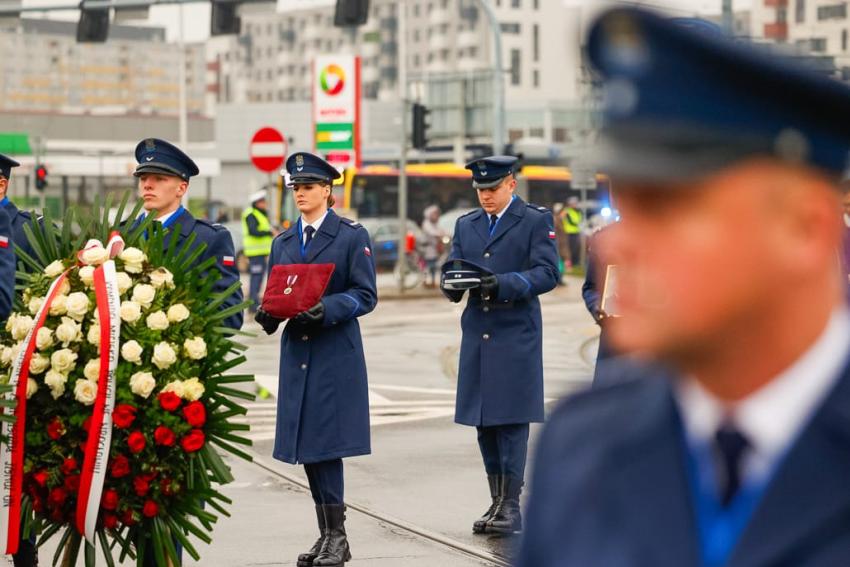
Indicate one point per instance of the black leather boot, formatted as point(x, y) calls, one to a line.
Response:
point(306, 559)
point(507, 517)
point(335, 551)
point(480, 525)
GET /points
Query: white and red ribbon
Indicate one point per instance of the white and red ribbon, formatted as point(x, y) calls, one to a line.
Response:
point(114, 246)
point(99, 439)
point(12, 453)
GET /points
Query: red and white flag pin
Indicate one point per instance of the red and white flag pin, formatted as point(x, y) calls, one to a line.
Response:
point(227, 260)
point(552, 234)
point(367, 251)
point(4, 241)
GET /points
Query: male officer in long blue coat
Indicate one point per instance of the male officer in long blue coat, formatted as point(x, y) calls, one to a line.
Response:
point(164, 172)
point(730, 445)
point(17, 217)
point(500, 378)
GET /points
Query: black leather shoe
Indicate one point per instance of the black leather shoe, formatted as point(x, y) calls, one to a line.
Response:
point(335, 551)
point(306, 559)
point(507, 517)
point(480, 525)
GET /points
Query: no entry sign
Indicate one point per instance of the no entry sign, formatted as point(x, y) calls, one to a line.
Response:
point(268, 149)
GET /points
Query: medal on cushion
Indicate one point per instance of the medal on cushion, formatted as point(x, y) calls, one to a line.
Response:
point(290, 281)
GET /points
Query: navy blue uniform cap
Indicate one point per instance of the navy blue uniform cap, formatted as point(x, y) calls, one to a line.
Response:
point(681, 100)
point(460, 274)
point(6, 165)
point(489, 171)
point(304, 167)
point(158, 156)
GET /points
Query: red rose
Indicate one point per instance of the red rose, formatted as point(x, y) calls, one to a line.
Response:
point(192, 441)
point(69, 466)
point(40, 477)
point(123, 415)
point(169, 401)
point(37, 504)
point(150, 509)
point(109, 501)
point(55, 429)
point(136, 441)
point(57, 496)
point(195, 414)
point(128, 518)
point(110, 521)
point(141, 486)
point(168, 487)
point(162, 435)
point(72, 482)
point(120, 466)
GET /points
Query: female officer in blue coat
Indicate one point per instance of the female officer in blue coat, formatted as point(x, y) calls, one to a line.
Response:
point(500, 379)
point(323, 406)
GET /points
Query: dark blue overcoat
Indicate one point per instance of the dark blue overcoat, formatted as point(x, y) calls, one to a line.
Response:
point(7, 265)
point(323, 399)
point(500, 377)
point(19, 219)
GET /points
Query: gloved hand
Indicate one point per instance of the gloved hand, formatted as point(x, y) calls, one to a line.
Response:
point(313, 316)
point(268, 322)
point(489, 287)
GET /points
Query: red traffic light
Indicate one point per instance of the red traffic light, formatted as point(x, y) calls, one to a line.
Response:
point(40, 177)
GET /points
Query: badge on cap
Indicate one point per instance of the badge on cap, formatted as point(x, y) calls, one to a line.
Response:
point(150, 145)
point(299, 160)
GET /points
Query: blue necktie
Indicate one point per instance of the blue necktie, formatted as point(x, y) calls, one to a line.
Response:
point(493, 220)
point(731, 446)
point(308, 236)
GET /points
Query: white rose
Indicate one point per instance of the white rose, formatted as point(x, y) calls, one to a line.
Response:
point(92, 369)
point(157, 321)
point(192, 389)
point(178, 313)
point(93, 336)
point(39, 363)
point(21, 325)
point(175, 386)
point(144, 294)
point(195, 347)
point(32, 387)
point(11, 321)
point(35, 304)
point(161, 277)
point(56, 382)
point(85, 392)
point(63, 360)
point(6, 356)
point(44, 338)
point(54, 268)
point(58, 305)
point(125, 282)
point(77, 305)
point(131, 351)
point(64, 287)
point(95, 255)
point(142, 384)
point(86, 274)
point(69, 331)
point(133, 259)
point(130, 311)
point(163, 355)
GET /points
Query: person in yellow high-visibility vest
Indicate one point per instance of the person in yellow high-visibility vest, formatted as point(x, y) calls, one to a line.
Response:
point(572, 218)
point(257, 236)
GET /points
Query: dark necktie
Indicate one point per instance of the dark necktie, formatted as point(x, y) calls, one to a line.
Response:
point(493, 220)
point(308, 236)
point(731, 446)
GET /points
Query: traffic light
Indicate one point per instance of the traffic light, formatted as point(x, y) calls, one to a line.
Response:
point(93, 26)
point(351, 13)
point(40, 177)
point(224, 19)
point(420, 126)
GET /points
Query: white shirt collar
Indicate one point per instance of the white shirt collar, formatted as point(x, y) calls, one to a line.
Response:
point(166, 216)
point(315, 224)
point(773, 416)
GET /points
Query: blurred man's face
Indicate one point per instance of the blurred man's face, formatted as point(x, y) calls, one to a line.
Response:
point(161, 192)
point(260, 204)
point(700, 258)
point(497, 198)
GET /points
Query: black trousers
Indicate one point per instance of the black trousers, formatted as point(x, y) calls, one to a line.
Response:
point(504, 449)
point(327, 484)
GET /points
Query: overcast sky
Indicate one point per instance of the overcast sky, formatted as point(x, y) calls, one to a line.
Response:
point(196, 16)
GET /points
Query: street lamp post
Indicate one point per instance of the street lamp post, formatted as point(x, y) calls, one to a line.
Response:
point(498, 77)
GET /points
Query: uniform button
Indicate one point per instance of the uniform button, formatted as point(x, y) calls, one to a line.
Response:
point(304, 338)
point(486, 254)
point(486, 337)
point(486, 309)
point(303, 367)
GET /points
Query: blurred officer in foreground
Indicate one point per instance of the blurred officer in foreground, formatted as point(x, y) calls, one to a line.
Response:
point(323, 408)
point(257, 235)
point(845, 204)
point(500, 379)
point(726, 162)
point(163, 173)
